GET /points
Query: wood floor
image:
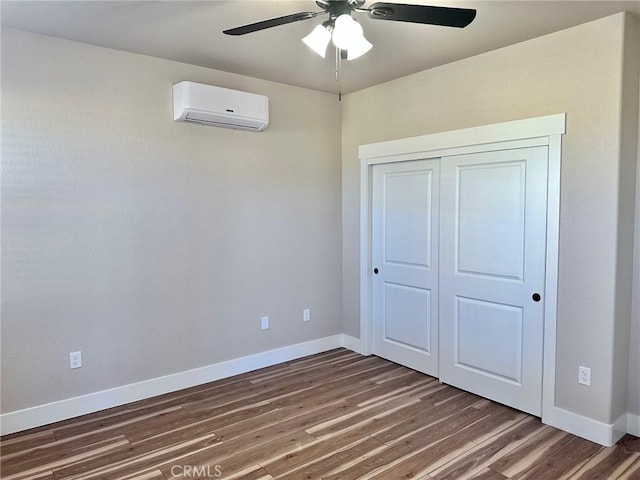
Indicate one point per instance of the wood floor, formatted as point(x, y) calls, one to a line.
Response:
point(336, 415)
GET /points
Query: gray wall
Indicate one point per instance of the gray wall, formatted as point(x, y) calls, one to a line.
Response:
point(634, 337)
point(577, 71)
point(626, 351)
point(154, 246)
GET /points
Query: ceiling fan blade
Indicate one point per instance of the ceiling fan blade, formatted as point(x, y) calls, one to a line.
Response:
point(400, 12)
point(274, 22)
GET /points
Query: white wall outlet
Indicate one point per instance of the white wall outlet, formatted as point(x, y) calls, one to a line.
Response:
point(264, 323)
point(306, 315)
point(584, 376)
point(75, 360)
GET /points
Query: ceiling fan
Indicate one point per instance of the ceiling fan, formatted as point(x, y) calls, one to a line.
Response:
point(347, 34)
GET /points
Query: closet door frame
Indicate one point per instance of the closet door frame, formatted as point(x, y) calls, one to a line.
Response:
point(532, 132)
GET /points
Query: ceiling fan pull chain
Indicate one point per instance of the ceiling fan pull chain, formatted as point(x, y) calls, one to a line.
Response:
point(339, 71)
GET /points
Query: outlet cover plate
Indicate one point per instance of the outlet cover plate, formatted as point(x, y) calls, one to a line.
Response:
point(75, 360)
point(584, 376)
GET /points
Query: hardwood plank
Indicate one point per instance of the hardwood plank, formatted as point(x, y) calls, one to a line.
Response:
point(48, 463)
point(630, 443)
point(321, 372)
point(434, 418)
point(147, 423)
point(18, 445)
point(632, 473)
point(318, 367)
point(447, 446)
point(236, 463)
point(329, 444)
point(334, 355)
point(488, 474)
point(399, 444)
point(478, 458)
point(411, 383)
point(293, 393)
point(227, 450)
point(119, 424)
point(368, 414)
point(607, 463)
point(254, 393)
point(39, 476)
point(284, 421)
point(336, 462)
point(252, 473)
point(559, 459)
point(139, 458)
point(190, 395)
point(52, 452)
point(393, 374)
point(150, 475)
point(194, 425)
point(444, 393)
point(530, 453)
point(560, 464)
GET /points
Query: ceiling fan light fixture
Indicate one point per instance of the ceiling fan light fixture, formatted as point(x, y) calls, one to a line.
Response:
point(318, 39)
point(346, 32)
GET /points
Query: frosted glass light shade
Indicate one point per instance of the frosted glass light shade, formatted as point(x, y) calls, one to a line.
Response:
point(358, 48)
point(318, 40)
point(346, 31)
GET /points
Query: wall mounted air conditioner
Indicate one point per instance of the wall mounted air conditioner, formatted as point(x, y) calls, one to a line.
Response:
point(220, 107)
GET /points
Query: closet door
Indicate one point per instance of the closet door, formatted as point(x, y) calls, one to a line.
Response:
point(405, 263)
point(492, 257)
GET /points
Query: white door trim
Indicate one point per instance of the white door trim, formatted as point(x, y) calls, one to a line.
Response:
point(539, 131)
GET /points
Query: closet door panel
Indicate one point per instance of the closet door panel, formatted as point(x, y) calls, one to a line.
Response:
point(405, 259)
point(492, 256)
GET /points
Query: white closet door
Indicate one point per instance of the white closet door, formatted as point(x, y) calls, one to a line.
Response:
point(492, 257)
point(405, 261)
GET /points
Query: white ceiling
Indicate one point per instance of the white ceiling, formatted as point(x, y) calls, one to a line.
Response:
point(191, 32)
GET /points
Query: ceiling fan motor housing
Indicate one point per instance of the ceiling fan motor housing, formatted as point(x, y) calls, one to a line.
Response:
point(335, 8)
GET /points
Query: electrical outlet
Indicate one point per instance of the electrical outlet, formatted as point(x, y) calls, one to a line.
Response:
point(584, 376)
point(306, 315)
point(75, 360)
point(264, 323)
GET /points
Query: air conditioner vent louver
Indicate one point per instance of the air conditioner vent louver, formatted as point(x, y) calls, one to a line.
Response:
point(220, 107)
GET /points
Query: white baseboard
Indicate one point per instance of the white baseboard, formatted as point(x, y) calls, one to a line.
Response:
point(352, 343)
point(585, 427)
point(633, 424)
point(73, 407)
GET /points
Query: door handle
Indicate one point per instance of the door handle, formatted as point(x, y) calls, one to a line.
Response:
point(536, 297)
point(375, 271)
